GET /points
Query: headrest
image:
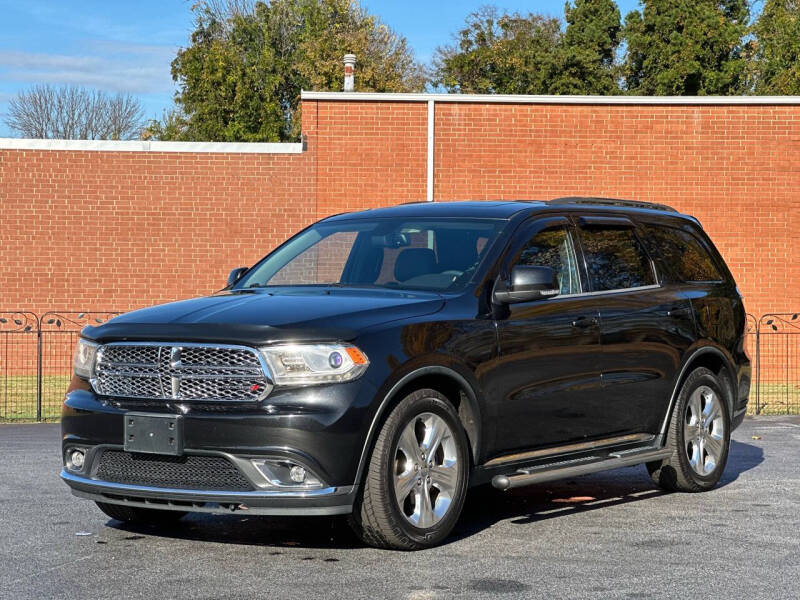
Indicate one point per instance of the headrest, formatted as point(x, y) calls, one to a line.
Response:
point(413, 262)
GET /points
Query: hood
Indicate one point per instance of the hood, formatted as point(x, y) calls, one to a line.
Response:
point(268, 316)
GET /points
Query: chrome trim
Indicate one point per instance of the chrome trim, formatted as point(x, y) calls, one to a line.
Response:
point(194, 495)
point(640, 288)
point(175, 363)
point(622, 439)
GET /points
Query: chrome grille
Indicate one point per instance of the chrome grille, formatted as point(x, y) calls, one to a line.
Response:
point(181, 372)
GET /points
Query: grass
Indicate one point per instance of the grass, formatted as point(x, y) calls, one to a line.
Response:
point(776, 399)
point(18, 397)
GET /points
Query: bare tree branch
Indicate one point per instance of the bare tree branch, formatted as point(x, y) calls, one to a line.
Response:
point(72, 112)
point(222, 11)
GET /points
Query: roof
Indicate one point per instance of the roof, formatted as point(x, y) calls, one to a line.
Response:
point(505, 209)
point(486, 209)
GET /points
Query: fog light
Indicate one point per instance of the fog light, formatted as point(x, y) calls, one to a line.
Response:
point(76, 459)
point(284, 473)
point(297, 474)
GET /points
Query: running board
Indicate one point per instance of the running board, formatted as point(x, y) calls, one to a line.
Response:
point(579, 466)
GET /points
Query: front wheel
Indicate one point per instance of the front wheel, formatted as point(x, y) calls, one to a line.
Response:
point(699, 437)
point(417, 476)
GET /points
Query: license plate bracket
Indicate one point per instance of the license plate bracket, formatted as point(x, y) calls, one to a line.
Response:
point(150, 433)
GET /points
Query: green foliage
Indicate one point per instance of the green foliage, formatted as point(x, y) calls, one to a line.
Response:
point(241, 76)
point(686, 47)
point(776, 61)
point(530, 54)
point(588, 49)
point(500, 53)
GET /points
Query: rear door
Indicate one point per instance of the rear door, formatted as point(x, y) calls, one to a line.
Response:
point(645, 326)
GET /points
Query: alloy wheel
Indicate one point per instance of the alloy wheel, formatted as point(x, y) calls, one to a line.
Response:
point(704, 430)
point(425, 470)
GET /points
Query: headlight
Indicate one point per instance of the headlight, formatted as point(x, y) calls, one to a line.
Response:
point(307, 364)
point(83, 361)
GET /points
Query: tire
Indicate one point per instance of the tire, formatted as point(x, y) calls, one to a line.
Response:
point(141, 516)
point(699, 437)
point(410, 503)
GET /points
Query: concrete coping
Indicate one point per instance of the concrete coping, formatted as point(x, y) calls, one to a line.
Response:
point(143, 146)
point(521, 99)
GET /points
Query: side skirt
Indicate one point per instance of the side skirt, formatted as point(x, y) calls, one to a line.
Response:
point(577, 466)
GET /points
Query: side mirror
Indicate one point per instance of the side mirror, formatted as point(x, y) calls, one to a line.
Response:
point(236, 275)
point(527, 283)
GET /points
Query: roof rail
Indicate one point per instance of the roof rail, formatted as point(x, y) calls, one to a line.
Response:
point(612, 202)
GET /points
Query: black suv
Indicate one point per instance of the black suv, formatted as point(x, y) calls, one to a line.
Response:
point(379, 363)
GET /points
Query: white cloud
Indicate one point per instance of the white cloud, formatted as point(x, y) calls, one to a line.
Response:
point(113, 66)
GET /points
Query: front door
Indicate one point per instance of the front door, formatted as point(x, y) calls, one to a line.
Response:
point(543, 387)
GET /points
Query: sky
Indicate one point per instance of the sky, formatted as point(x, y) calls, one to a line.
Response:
point(127, 46)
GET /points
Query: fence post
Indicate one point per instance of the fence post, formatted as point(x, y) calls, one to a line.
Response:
point(758, 367)
point(38, 373)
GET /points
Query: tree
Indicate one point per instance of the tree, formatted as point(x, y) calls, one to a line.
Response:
point(72, 112)
point(240, 79)
point(686, 47)
point(588, 49)
point(776, 60)
point(500, 53)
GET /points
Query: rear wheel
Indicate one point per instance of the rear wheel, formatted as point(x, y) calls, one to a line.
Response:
point(416, 478)
point(698, 435)
point(142, 516)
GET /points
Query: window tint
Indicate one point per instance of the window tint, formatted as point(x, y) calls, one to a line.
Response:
point(683, 253)
point(321, 263)
point(553, 248)
point(436, 254)
point(615, 259)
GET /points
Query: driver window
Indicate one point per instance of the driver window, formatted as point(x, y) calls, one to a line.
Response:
point(553, 248)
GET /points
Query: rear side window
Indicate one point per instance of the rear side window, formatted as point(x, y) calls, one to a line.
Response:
point(683, 253)
point(615, 259)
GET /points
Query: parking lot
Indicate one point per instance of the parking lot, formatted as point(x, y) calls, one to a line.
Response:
point(609, 535)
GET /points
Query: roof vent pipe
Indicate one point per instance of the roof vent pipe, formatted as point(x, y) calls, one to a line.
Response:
point(349, 71)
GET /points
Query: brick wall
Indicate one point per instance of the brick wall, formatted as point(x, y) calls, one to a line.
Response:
point(99, 229)
point(120, 230)
point(735, 167)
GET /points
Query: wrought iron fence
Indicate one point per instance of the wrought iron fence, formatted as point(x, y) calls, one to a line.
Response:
point(36, 361)
point(777, 370)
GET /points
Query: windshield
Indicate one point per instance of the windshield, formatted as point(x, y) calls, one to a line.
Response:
point(415, 254)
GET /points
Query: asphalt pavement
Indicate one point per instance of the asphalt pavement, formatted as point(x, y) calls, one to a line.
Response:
point(608, 535)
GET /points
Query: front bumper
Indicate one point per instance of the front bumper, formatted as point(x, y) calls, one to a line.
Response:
point(318, 428)
point(324, 501)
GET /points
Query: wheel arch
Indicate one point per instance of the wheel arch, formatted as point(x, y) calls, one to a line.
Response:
point(445, 380)
point(715, 360)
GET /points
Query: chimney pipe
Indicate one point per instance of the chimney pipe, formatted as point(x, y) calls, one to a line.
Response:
point(349, 70)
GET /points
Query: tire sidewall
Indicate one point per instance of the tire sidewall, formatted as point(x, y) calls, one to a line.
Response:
point(701, 377)
point(414, 405)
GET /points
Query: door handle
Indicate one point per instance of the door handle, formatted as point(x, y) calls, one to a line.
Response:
point(584, 322)
point(679, 311)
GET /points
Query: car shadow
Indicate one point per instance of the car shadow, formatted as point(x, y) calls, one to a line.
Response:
point(484, 507)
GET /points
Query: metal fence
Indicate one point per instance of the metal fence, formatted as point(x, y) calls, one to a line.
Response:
point(36, 361)
point(777, 368)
